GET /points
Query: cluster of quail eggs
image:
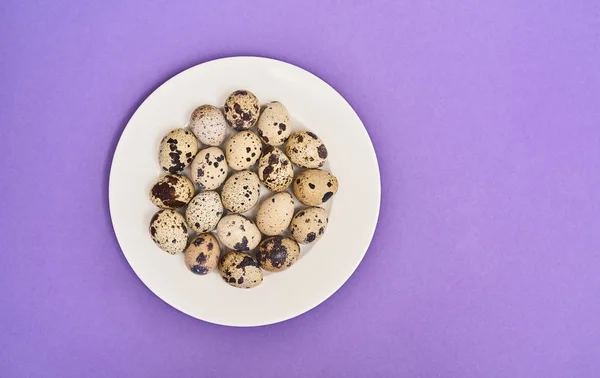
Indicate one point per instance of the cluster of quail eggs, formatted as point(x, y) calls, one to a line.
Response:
point(212, 199)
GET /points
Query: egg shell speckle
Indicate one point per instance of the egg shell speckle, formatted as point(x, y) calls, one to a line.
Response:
point(307, 150)
point(240, 270)
point(241, 109)
point(241, 192)
point(275, 214)
point(309, 225)
point(314, 187)
point(204, 211)
point(278, 253)
point(202, 255)
point(172, 192)
point(243, 150)
point(209, 168)
point(239, 233)
point(275, 170)
point(177, 150)
point(208, 124)
point(274, 126)
point(169, 231)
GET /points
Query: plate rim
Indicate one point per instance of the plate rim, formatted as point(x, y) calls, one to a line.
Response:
point(376, 183)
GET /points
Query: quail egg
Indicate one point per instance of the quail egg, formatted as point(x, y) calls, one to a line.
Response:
point(172, 192)
point(275, 169)
point(275, 214)
point(243, 150)
point(242, 109)
point(177, 150)
point(202, 255)
point(241, 191)
point(308, 225)
point(278, 253)
point(209, 168)
point(209, 125)
point(169, 232)
point(204, 211)
point(314, 186)
point(240, 270)
point(306, 150)
point(237, 232)
point(274, 125)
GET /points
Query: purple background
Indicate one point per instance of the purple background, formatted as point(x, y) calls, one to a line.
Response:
point(486, 120)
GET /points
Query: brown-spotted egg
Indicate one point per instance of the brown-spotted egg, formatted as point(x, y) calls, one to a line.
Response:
point(209, 168)
point(169, 231)
point(275, 170)
point(202, 255)
point(275, 214)
point(208, 123)
point(240, 270)
point(241, 109)
point(172, 192)
point(308, 225)
point(241, 191)
point(274, 125)
point(313, 187)
point(177, 150)
point(306, 149)
point(243, 150)
point(278, 253)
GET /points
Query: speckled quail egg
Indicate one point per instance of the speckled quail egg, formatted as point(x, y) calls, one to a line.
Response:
point(204, 211)
point(240, 270)
point(177, 150)
point(237, 232)
point(241, 109)
point(277, 253)
point(241, 191)
point(306, 150)
point(209, 168)
point(169, 232)
point(202, 255)
point(243, 150)
point(209, 125)
point(274, 125)
point(308, 225)
point(275, 169)
point(172, 192)
point(275, 214)
point(314, 186)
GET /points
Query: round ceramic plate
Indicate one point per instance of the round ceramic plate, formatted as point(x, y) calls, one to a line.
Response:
point(323, 267)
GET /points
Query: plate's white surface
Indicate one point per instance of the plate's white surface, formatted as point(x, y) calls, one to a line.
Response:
point(322, 268)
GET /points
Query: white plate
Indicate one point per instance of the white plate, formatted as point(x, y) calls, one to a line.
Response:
point(322, 268)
